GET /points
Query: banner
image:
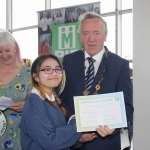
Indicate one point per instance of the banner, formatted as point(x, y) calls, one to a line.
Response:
point(58, 29)
point(66, 39)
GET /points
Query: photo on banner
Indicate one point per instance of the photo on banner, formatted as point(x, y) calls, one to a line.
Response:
point(58, 29)
point(45, 45)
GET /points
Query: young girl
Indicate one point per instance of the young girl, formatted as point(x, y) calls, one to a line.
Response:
point(43, 124)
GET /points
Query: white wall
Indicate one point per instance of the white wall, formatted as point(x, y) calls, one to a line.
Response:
point(141, 74)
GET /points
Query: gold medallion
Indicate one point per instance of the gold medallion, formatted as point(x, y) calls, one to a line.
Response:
point(85, 93)
point(97, 87)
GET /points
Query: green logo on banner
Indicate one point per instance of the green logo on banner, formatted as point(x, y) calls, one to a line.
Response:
point(65, 39)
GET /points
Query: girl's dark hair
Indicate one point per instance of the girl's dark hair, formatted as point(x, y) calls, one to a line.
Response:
point(36, 65)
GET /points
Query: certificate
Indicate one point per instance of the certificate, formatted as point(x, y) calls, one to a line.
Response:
point(5, 102)
point(103, 109)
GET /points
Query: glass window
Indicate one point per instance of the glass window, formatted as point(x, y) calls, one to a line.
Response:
point(105, 5)
point(3, 14)
point(65, 3)
point(28, 42)
point(110, 41)
point(127, 4)
point(127, 36)
point(131, 65)
point(25, 12)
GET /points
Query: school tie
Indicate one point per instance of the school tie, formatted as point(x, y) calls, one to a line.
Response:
point(89, 77)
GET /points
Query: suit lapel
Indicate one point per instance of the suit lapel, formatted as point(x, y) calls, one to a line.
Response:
point(80, 70)
point(101, 68)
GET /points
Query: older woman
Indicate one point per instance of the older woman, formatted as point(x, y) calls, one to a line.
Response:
point(15, 83)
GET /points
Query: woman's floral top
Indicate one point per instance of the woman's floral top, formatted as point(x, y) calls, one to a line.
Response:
point(17, 90)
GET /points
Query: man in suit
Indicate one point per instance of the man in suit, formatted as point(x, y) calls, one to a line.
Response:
point(111, 74)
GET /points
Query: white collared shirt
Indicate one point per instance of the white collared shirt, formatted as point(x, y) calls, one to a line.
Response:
point(98, 59)
point(34, 90)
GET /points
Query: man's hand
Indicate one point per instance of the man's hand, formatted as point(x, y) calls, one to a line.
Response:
point(18, 106)
point(104, 131)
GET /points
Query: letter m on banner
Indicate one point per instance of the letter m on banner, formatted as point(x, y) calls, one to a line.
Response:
point(67, 36)
point(65, 39)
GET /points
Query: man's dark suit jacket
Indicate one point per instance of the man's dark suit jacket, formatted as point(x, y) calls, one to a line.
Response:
point(116, 78)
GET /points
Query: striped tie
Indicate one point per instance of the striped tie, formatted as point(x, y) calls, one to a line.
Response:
point(89, 77)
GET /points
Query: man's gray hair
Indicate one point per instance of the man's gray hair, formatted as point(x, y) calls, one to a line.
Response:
point(90, 15)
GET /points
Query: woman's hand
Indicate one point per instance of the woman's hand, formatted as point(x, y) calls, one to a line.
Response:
point(86, 137)
point(18, 106)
